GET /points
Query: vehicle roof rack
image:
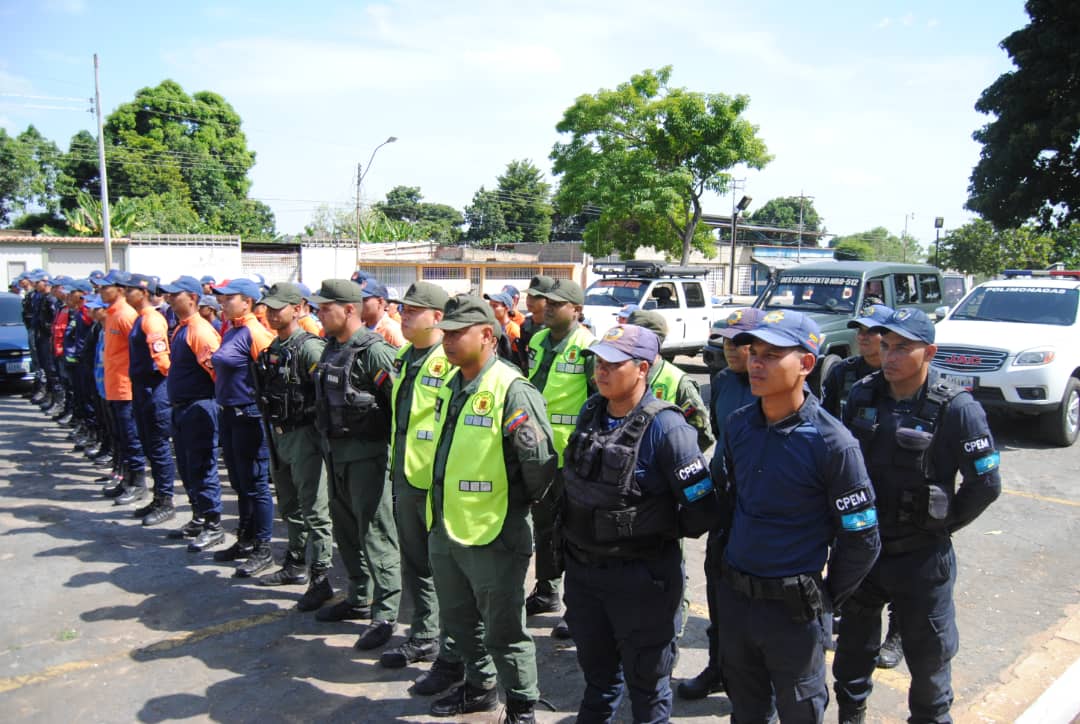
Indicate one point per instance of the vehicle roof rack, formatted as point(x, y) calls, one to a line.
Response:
point(650, 269)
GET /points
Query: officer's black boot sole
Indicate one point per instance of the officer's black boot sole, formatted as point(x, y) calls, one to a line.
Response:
point(465, 699)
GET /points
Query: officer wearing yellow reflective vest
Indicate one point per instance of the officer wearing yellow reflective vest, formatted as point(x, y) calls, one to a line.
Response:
point(564, 376)
point(671, 384)
point(422, 371)
point(494, 457)
point(635, 483)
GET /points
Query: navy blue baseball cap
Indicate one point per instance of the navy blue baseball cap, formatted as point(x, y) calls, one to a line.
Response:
point(375, 288)
point(360, 277)
point(511, 290)
point(910, 323)
point(784, 328)
point(739, 321)
point(140, 281)
point(96, 277)
point(625, 342)
point(38, 275)
point(114, 278)
point(504, 298)
point(208, 300)
point(870, 316)
point(182, 284)
point(79, 285)
point(62, 280)
point(93, 301)
point(245, 287)
point(207, 279)
point(627, 310)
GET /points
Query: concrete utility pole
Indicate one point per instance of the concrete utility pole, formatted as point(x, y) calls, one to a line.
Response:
point(105, 225)
point(736, 208)
point(802, 200)
point(903, 242)
point(359, 181)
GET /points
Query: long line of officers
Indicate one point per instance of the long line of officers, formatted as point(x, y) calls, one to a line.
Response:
point(446, 452)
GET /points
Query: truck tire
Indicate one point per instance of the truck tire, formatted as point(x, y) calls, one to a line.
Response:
point(1062, 426)
point(821, 373)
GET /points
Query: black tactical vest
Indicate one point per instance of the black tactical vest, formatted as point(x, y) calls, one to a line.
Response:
point(286, 395)
point(605, 511)
point(343, 409)
point(898, 452)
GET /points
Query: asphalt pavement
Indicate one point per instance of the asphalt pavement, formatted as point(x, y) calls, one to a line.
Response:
point(104, 620)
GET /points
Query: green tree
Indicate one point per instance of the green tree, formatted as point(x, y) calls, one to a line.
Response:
point(1029, 167)
point(783, 212)
point(402, 203)
point(438, 222)
point(646, 153)
point(487, 225)
point(978, 248)
point(30, 169)
point(878, 244)
point(525, 199)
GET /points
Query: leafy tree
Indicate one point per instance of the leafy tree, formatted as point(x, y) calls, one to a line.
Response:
point(784, 212)
point(30, 167)
point(80, 170)
point(645, 154)
point(1030, 161)
point(525, 199)
point(487, 225)
point(878, 244)
point(978, 248)
point(438, 222)
point(331, 223)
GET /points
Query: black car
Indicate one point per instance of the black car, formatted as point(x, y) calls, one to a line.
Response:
point(14, 347)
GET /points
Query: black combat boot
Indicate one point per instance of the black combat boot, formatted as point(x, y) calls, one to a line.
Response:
point(291, 573)
point(319, 590)
point(541, 602)
point(520, 711)
point(411, 651)
point(442, 675)
point(705, 683)
point(466, 699)
point(212, 534)
point(259, 559)
point(191, 529)
point(239, 550)
point(134, 488)
point(161, 510)
point(114, 488)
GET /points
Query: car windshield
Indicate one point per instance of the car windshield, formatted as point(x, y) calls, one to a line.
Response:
point(814, 293)
point(615, 292)
point(10, 310)
point(1029, 305)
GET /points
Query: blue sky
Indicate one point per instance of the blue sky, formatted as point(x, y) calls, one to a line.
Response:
point(866, 106)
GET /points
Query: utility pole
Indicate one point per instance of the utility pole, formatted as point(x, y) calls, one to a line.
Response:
point(359, 178)
point(105, 225)
point(802, 199)
point(903, 241)
point(736, 185)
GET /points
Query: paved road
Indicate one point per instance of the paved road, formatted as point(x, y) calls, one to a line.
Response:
point(103, 620)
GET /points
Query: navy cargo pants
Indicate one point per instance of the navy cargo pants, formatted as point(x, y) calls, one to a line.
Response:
point(920, 585)
point(150, 408)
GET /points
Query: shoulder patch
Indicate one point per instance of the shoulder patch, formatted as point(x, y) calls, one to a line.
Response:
point(986, 464)
point(159, 346)
point(854, 499)
point(977, 446)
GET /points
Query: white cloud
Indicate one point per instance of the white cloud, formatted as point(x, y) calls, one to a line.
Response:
point(884, 23)
point(67, 7)
point(932, 23)
point(908, 20)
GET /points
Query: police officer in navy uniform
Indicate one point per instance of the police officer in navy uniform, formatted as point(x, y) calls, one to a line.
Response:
point(916, 436)
point(635, 483)
point(728, 391)
point(798, 497)
point(842, 377)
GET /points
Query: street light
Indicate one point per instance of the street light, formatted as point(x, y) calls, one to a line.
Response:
point(939, 223)
point(736, 209)
point(360, 174)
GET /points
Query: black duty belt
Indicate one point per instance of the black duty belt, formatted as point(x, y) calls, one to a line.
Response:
point(756, 587)
point(599, 560)
point(907, 544)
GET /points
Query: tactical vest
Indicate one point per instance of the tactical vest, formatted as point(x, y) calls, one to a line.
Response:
point(343, 409)
point(419, 457)
point(475, 487)
point(912, 501)
point(852, 372)
point(665, 384)
point(285, 392)
point(605, 511)
point(566, 388)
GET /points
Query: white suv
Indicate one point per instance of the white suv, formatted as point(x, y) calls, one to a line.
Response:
point(1015, 343)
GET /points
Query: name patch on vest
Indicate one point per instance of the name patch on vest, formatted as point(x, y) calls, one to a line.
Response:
point(570, 369)
point(474, 486)
point(425, 435)
point(564, 419)
point(478, 420)
point(431, 381)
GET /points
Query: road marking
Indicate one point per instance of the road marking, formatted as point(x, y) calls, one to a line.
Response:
point(142, 653)
point(1042, 498)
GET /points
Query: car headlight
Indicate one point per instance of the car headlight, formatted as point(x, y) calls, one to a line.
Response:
point(1034, 357)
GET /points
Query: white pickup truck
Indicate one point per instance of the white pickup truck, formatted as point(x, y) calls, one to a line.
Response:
point(676, 292)
point(1015, 344)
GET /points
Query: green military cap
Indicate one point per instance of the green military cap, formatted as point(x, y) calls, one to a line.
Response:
point(540, 284)
point(650, 320)
point(564, 290)
point(283, 294)
point(466, 310)
point(344, 291)
point(426, 295)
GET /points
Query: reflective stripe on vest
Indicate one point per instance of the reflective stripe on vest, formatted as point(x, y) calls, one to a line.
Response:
point(435, 372)
point(566, 388)
point(475, 487)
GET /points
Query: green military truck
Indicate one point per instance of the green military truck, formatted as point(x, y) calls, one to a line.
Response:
point(833, 292)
